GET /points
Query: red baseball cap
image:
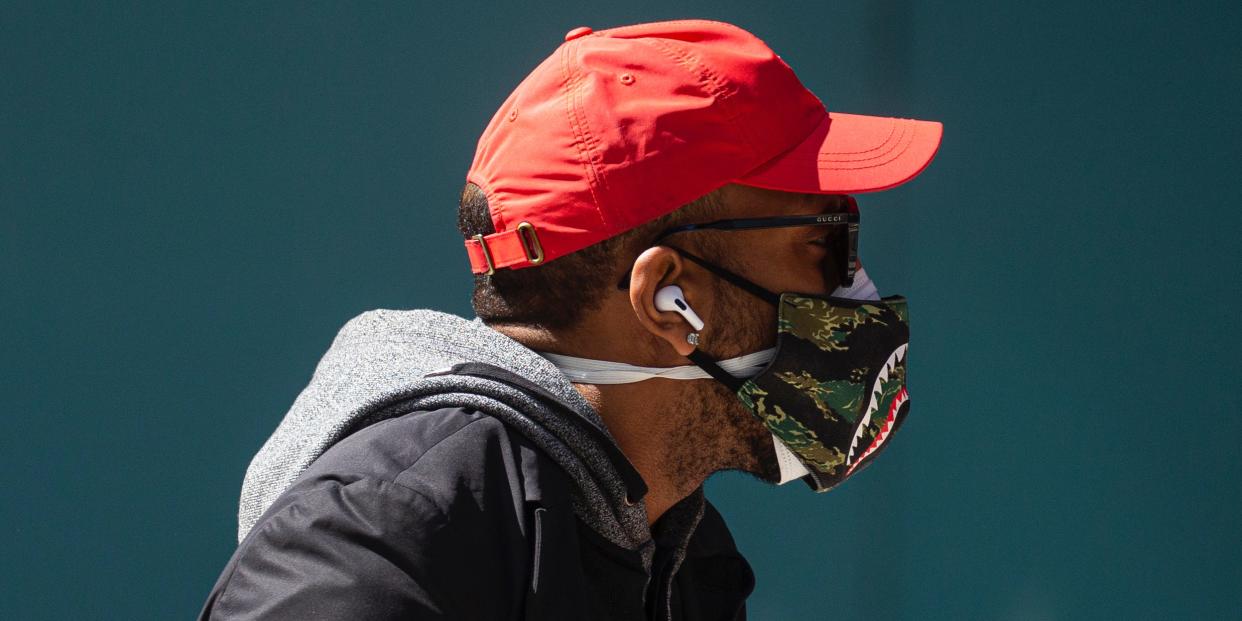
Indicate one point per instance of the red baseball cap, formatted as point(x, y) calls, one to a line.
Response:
point(622, 126)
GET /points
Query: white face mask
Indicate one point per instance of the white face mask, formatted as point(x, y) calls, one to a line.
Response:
point(588, 371)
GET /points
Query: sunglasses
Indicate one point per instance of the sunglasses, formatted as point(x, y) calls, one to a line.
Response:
point(842, 258)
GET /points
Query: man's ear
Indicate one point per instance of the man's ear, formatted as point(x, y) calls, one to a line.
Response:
point(654, 269)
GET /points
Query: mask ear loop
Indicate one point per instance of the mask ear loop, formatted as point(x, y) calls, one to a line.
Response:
point(708, 364)
point(737, 281)
point(698, 357)
point(734, 279)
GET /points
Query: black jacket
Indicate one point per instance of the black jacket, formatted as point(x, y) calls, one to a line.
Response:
point(450, 514)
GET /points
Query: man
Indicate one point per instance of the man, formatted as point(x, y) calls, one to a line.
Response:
point(650, 196)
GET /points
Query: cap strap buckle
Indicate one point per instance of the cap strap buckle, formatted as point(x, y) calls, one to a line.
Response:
point(530, 243)
point(487, 255)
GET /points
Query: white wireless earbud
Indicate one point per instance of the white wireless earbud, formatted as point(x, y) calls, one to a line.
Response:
point(670, 298)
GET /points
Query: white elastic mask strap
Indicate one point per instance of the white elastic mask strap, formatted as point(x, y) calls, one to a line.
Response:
point(588, 371)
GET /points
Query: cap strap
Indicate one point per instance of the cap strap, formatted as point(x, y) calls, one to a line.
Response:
point(519, 247)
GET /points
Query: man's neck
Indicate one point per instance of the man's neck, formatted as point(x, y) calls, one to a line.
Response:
point(639, 416)
point(642, 417)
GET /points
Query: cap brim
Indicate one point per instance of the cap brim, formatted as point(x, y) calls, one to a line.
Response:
point(851, 153)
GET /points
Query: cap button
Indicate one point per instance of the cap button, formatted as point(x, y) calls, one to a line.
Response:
point(580, 31)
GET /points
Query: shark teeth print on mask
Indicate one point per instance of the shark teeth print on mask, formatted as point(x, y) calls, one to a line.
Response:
point(877, 393)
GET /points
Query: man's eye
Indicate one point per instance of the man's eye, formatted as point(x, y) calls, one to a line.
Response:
point(824, 240)
point(831, 237)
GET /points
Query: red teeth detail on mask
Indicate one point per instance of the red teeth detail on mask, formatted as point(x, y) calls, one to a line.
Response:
point(882, 435)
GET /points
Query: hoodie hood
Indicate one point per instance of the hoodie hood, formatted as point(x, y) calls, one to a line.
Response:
point(386, 363)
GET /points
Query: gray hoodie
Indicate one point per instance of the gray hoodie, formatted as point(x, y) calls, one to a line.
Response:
point(377, 368)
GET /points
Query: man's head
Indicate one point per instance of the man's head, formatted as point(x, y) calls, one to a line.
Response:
point(605, 294)
point(627, 133)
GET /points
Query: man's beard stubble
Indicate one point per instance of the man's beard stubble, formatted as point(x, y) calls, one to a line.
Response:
point(718, 432)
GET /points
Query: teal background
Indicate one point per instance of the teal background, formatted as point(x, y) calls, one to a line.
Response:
point(194, 198)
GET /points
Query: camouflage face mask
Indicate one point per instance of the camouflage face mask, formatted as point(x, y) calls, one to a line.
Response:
point(836, 390)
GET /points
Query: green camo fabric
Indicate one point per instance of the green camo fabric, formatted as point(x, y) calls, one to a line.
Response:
point(835, 391)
